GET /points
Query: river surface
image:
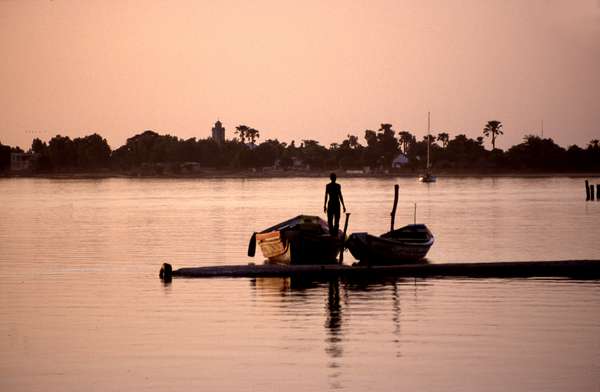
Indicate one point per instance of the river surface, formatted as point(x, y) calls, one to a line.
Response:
point(82, 308)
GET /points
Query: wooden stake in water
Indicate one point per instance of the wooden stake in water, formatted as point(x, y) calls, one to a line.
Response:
point(592, 192)
point(587, 191)
point(415, 214)
point(393, 214)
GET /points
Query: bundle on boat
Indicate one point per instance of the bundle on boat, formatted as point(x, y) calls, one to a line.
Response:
point(304, 239)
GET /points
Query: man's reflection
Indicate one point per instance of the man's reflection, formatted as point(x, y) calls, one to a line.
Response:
point(305, 289)
point(333, 325)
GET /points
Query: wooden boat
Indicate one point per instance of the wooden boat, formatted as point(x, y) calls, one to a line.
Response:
point(408, 244)
point(304, 239)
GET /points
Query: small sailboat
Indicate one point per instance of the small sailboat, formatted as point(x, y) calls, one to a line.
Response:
point(428, 177)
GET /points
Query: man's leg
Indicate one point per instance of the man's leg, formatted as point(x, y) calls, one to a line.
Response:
point(330, 215)
point(336, 226)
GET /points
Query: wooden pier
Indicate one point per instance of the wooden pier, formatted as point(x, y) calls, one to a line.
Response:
point(579, 269)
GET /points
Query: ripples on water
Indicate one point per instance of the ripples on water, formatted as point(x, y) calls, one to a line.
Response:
point(81, 306)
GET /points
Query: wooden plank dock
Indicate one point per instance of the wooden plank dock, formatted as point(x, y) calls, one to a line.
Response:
point(580, 269)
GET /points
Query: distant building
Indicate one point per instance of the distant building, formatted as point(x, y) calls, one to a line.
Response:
point(297, 162)
point(355, 171)
point(190, 167)
point(399, 161)
point(218, 133)
point(20, 161)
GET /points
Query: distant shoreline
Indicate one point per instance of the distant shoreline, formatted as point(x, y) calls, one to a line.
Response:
point(224, 174)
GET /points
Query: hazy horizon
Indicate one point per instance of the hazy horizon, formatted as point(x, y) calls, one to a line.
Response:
point(319, 71)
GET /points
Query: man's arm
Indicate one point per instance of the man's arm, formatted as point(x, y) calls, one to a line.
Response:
point(325, 203)
point(342, 199)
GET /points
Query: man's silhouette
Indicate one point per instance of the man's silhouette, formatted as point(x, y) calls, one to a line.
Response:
point(333, 191)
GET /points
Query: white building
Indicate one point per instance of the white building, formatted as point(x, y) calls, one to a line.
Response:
point(20, 161)
point(399, 161)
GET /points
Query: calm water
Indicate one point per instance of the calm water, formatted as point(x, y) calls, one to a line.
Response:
point(81, 305)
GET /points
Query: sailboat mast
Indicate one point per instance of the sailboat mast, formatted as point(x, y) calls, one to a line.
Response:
point(428, 136)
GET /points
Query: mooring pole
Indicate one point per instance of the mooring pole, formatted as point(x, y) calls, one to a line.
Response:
point(598, 192)
point(393, 214)
point(415, 214)
point(592, 192)
point(344, 238)
point(587, 190)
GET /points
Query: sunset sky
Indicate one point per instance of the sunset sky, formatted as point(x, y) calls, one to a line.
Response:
point(299, 70)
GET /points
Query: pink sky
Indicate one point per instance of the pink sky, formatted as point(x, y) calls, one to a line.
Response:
point(299, 70)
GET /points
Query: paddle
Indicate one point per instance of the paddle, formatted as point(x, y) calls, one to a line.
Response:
point(344, 238)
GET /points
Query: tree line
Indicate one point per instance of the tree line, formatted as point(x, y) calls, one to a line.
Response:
point(377, 151)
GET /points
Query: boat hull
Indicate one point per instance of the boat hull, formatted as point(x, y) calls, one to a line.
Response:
point(301, 240)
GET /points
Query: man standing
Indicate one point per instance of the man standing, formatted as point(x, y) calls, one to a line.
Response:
point(333, 191)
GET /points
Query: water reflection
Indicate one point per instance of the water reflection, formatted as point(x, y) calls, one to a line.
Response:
point(293, 292)
point(337, 296)
point(396, 316)
point(333, 326)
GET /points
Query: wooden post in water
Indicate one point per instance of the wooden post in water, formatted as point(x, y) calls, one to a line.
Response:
point(598, 192)
point(587, 190)
point(341, 261)
point(415, 214)
point(592, 192)
point(396, 187)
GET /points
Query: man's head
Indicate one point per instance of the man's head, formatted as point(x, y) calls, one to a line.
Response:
point(332, 177)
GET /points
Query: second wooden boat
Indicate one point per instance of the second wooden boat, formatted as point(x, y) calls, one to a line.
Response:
point(408, 244)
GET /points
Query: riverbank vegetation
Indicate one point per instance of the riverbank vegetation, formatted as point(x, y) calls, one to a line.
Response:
point(378, 151)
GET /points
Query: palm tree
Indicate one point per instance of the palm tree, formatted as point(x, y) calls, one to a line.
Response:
point(594, 144)
point(493, 128)
point(405, 138)
point(385, 127)
point(252, 134)
point(444, 138)
point(242, 132)
point(352, 141)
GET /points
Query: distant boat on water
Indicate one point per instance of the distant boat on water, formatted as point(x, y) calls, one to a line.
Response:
point(428, 176)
